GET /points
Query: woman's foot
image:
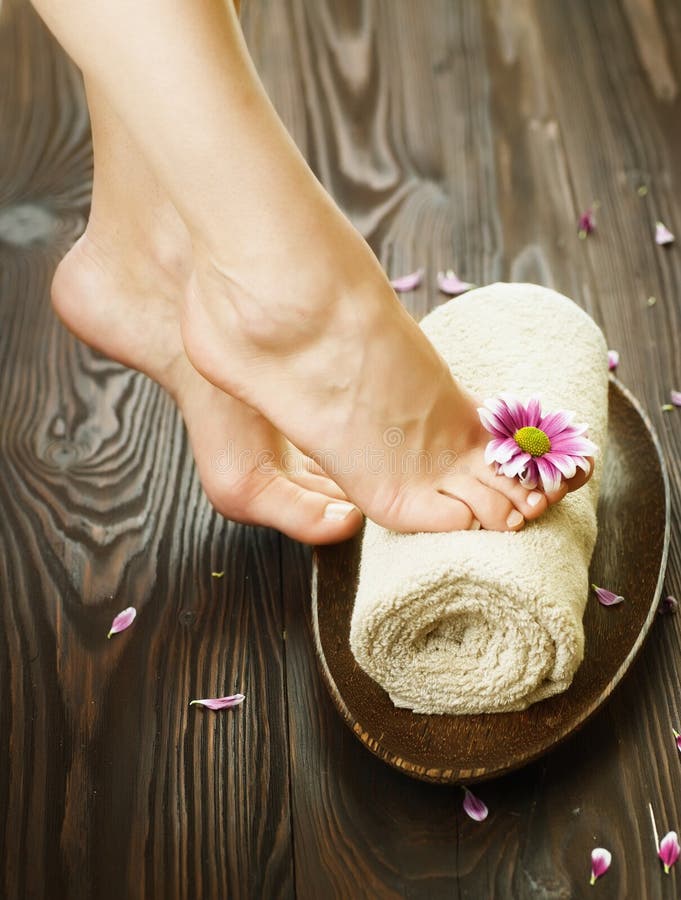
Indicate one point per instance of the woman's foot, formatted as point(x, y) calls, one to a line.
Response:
point(327, 353)
point(122, 301)
point(287, 308)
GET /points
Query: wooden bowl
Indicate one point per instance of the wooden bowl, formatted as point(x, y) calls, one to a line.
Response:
point(630, 555)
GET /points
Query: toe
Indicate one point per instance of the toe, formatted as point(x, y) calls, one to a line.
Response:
point(309, 516)
point(531, 503)
point(322, 484)
point(490, 507)
point(423, 508)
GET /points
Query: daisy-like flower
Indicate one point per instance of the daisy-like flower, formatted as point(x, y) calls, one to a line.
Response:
point(531, 445)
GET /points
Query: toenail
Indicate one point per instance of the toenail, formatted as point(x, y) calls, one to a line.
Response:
point(533, 498)
point(515, 518)
point(338, 510)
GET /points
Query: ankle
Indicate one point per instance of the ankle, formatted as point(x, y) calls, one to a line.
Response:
point(288, 309)
point(149, 247)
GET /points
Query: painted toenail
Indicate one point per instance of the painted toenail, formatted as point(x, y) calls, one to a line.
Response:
point(533, 498)
point(338, 510)
point(515, 518)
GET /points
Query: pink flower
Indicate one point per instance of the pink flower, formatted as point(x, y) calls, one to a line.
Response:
point(606, 597)
point(474, 807)
point(600, 862)
point(663, 235)
point(408, 282)
point(676, 397)
point(122, 621)
point(613, 359)
point(534, 446)
point(587, 224)
point(669, 850)
point(450, 283)
point(220, 702)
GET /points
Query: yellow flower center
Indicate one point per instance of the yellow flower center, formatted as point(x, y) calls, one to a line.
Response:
point(532, 440)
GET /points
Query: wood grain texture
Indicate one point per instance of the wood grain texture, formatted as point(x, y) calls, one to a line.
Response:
point(454, 134)
point(111, 786)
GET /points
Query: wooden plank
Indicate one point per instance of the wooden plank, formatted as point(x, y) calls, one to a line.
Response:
point(459, 134)
point(474, 136)
point(110, 785)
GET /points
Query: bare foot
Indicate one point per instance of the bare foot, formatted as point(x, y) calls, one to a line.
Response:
point(318, 342)
point(286, 308)
point(123, 301)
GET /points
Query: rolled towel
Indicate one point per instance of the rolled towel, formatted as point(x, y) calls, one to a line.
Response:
point(486, 621)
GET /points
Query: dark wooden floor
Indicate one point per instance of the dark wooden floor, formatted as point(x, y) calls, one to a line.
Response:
point(458, 133)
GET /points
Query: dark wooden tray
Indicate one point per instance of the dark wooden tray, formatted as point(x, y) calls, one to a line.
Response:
point(630, 557)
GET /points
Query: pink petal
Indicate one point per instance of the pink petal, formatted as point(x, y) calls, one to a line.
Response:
point(549, 474)
point(516, 465)
point(669, 850)
point(501, 450)
point(677, 738)
point(221, 702)
point(583, 464)
point(122, 621)
point(516, 411)
point(450, 283)
point(505, 421)
point(474, 807)
point(574, 446)
point(408, 282)
point(492, 423)
point(563, 462)
point(613, 359)
point(530, 477)
point(675, 397)
point(534, 413)
point(600, 862)
point(663, 235)
point(668, 605)
point(587, 223)
point(555, 422)
point(606, 597)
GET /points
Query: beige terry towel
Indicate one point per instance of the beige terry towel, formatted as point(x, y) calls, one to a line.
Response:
point(484, 621)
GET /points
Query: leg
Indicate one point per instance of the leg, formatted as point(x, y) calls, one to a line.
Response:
point(119, 289)
point(323, 355)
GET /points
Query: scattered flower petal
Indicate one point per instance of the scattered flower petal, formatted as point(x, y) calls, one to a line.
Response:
point(677, 738)
point(668, 605)
point(408, 282)
point(651, 301)
point(533, 446)
point(676, 397)
point(669, 850)
point(642, 190)
point(606, 597)
point(587, 224)
point(474, 806)
point(613, 359)
point(218, 574)
point(122, 621)
point(667, 407)
point(220, 702)
point(600, 862)
point(663, 235)
point(450, 283)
